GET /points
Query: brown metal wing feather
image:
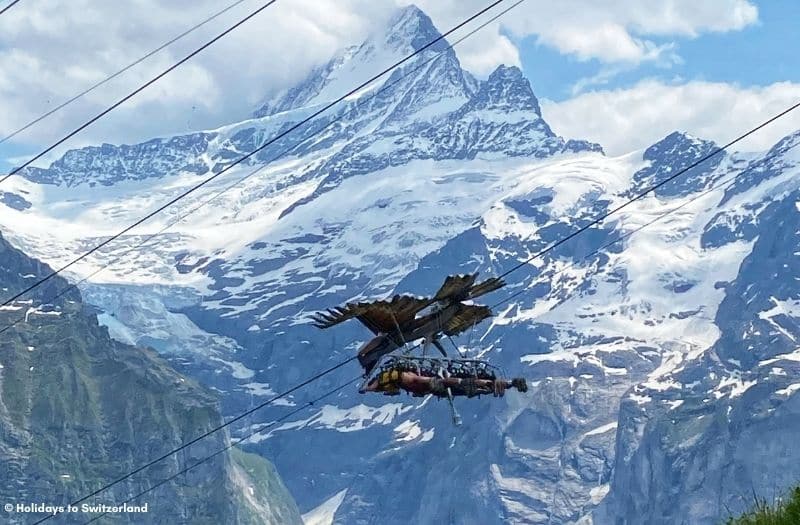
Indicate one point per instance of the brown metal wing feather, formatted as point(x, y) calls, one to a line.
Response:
point(465, 318)
point(378, 316)
point(489, 285)
point(456, 287)
point(406, 307)
point(339, 314)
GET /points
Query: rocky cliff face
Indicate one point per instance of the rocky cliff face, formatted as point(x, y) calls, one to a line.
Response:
point(721, 427)
point(79, 409)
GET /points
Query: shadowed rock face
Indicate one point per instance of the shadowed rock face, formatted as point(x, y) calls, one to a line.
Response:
point(78, 410)
point(12, 200)
point(672, 154)
point(110, 163)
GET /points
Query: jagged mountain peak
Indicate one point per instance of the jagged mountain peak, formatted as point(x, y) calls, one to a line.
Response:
point(408, 30)
point(506, 72)
point(507, 89)
point(410, 26)
point(675, 141)
point(776, 160)
point(675, 152)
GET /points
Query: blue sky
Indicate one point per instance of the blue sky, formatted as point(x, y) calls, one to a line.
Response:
point(758, 55)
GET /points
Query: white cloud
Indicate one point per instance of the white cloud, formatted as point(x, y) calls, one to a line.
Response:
point(623, 120)
point(616, 31)
point(608, 41)
point(45, 59)
point(611, 31)
point(482, 55)
point(601, 78)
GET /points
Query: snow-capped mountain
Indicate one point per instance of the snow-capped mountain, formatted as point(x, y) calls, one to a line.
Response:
point(428, 172)
point(408, 31)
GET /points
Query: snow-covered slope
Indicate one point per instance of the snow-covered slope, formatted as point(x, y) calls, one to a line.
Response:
point(427, 173)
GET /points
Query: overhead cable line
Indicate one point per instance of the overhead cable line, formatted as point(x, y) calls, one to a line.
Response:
point(248, 155)
point(9, 6)
point(714, 187)
point(721, 183)
point(348, 360)
point(231, 445)
point(649, 190)
point(121, 71)
point(357, 105)
point(204, 435)
point(304, 383)
point(135, 92)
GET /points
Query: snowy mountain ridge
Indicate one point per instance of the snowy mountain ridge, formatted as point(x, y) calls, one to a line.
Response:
point(454, 116)
point(436, 172)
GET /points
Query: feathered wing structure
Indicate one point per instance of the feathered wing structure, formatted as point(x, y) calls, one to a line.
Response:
point(386, 317)
point(455, 287)
point(378, 316)
point(489, 285)
point(458, 288)
point(466, 317)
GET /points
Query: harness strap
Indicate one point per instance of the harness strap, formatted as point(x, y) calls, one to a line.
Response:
point(437, 387)
point(470, 386)
point(389, 381)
